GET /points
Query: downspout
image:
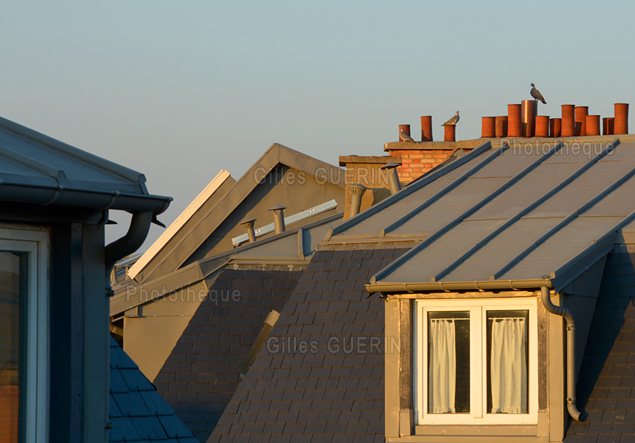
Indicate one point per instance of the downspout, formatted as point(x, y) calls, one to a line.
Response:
point(129, 243)
point(564, 312)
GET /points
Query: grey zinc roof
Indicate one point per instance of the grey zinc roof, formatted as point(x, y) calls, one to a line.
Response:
point(510, 216)
point(137, 411)
point(35, 168)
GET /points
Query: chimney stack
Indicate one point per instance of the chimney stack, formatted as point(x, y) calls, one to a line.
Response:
point(513, 120)
point(568, 120)
point(449, 133)
point(542, 126)
point(403, 129)
point(426, 128)
point(501, 126)
point(580, 120)
point(529, 109)
point(608, 125)
point(621, 118)
point(488, 127)
point(592, 125)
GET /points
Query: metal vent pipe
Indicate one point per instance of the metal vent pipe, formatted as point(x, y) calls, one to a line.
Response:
point(278, 218)
point(357, 191)
point(393, 176)
point(249, 226)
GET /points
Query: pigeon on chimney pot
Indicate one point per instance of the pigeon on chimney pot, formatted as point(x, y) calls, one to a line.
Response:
point(404, 137)
point(536, 94)
point(453, 121)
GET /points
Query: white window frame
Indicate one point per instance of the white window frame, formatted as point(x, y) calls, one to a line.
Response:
point(36, 244)
point(478, 364)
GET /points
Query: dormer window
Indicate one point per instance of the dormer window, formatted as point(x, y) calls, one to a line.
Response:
point(475, 362)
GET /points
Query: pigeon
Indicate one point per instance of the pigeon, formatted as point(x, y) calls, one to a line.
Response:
point(403, 135)
point(536, 94)
point(453, 121)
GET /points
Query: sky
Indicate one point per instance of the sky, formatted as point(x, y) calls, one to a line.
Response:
point(179, 90)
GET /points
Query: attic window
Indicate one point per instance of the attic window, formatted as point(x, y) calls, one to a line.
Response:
point(475, 362)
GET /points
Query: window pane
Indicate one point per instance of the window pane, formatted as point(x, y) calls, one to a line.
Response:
point(448, 362)
point(507, 361)
point(9, 345)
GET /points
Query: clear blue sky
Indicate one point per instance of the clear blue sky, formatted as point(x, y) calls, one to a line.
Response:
point(181, 89)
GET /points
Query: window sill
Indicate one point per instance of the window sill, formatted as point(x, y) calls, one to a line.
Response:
point(473, 433)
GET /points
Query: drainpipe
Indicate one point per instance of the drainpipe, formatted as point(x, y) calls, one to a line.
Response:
point(126, 245)
point(393, 177)
point(564, 312)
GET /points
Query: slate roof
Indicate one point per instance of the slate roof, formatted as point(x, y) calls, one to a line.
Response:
point(137, 411)
point(38, 169)
point(509, 217)
point(320, 375)
point(557, 208)
point(606, 386)
point(202, 372)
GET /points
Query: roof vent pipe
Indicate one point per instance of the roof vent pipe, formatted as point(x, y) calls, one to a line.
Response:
point(249, 225)
point(278, 218)
point(393, 177)
point(564, 312)
point(356, 199)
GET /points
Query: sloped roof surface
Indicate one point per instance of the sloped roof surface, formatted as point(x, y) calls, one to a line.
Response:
point(137, 411)
point(202, 372)
point(35, 168)
point(606, 386)
point(523, 212)
point(320, 374)
point(194, 231)
point(293, 246)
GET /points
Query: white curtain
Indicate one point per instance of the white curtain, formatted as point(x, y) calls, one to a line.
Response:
point(442, 375)
point(508, 377)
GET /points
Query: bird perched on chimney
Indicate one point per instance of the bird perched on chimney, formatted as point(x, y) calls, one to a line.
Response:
point(453, 121)
point(404, 136)
point(536, 94)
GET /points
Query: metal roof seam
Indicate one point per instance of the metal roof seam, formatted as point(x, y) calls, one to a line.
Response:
point(595, 200)
point(526, 210)
point(451, 186)
point(466, 214)
point(414, 186)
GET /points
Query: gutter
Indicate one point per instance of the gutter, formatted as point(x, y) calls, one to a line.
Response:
point(494, 285)
point(564, 312)
point(59, 195)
